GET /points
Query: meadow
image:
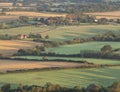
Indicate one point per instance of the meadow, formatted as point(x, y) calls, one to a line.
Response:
point(65, 77)
point(76, 48)
point(90, 60)
point(62, 33)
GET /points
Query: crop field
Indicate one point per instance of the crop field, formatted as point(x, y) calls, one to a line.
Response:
point(8, 47)
point(7, 18)
point(76, 48)
point(35, 14)
point(12, 65)
point(95, 61)
point(65, 32)
point(108, 15)
point(65, 77)
point(5, 4)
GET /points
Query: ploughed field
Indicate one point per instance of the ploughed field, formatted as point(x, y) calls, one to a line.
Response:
point(9, 47)
point(12, 65)
point(65, 77)
point(63, 33)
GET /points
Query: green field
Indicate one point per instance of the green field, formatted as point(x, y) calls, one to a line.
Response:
point(67, 77)
point(65, 32)
point(76, 48)
point(95, 61)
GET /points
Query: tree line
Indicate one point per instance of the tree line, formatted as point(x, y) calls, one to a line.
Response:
point(49, 87)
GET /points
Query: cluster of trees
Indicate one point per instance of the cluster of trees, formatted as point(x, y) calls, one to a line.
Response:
point(35, 51)
point(5, 37)
point(49, 87)
point(74, 19)
point(38, 36)
point(106, 52)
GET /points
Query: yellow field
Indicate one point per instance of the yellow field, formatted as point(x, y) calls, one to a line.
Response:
point(5, 4)
point(8, 47)
point(34, 14)
point(108, 15)
point(12, 65)
point(7, 18)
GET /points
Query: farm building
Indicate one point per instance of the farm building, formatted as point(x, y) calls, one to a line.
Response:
point(21, 36)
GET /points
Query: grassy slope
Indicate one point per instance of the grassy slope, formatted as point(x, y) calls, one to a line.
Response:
point(76, 48)
point(65, 32)
point(95, 61)
point(69, 77)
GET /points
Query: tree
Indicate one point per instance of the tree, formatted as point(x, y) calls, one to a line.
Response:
point(93, 88)
point(3, 25)
point(6, 88)
point(23, 18)
point(47, 37)
point(115, 87)
point(106, 49)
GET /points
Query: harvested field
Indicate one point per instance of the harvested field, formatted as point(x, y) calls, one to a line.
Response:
point(108, 15)
point(34, 14)
point(8, 47)
point(12, 65)
point(5, 4)
point(8, 18)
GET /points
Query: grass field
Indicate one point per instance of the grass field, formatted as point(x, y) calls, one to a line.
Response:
point(35, 14)
point(76, 48)
point(8, 47)
point(95, 61)
point(68, 77)
point(65, 32)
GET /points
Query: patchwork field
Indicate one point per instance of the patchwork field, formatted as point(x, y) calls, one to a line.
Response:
point(35, 14)
point(67, 77)
point(76, 48)
point(95, 61)
point(108, 15)
point(8, 47)
point(65, 32)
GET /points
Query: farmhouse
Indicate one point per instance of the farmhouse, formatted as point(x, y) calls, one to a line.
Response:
point(21, 36)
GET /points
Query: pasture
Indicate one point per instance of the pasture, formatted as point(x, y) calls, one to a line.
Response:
point(65, 77)
point(8, 47)
point(76, 48)
point(63, 33)
point(90, 60)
